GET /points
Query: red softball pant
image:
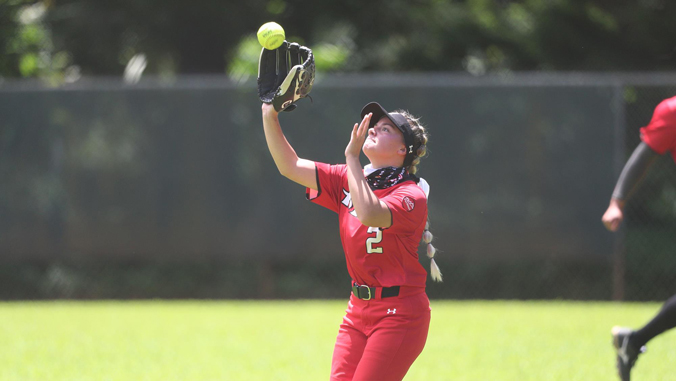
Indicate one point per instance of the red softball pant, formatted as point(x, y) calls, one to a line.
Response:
point(379, 339)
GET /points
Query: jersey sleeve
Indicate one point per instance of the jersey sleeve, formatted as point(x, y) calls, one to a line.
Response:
point(660, 134)
point(408, 206)
point(329, 186)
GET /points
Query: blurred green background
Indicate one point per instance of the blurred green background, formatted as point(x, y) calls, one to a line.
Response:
point(55, 38)
point(133, 163)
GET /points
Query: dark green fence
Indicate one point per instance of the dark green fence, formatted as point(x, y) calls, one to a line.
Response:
point(168, 190)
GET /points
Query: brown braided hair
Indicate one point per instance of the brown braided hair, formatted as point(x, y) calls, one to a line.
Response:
point(420, 138)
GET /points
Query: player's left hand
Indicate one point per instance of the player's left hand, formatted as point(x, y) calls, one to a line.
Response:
point(359, 132)
point(285, 75)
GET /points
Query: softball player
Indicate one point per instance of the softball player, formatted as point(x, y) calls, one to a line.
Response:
point(658, 137)
point(382, 213)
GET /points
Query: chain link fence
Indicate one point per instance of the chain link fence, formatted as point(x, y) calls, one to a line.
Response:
point(167, 190)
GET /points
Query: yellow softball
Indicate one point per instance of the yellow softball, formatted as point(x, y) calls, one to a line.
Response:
point(271, 35)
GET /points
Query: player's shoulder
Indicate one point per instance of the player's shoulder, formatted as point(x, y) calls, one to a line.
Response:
point(667, 109)
point(340, 169)
point(410, 188)
point(407, 196)
point(671, 102)
point(335, 169)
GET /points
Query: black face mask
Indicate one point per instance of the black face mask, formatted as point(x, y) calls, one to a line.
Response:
point(387, 177)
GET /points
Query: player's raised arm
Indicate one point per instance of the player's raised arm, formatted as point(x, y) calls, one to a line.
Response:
point(288, 163)
point(285, 75)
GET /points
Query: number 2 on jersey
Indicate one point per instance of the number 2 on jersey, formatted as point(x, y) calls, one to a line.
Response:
point(374, 240)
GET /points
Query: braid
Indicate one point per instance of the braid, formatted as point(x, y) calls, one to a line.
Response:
point(420, 139)
point(427, 237)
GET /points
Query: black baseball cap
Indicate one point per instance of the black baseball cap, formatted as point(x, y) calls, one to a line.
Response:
point(398, 120)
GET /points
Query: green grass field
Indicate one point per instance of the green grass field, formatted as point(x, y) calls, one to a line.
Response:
point(293, 340)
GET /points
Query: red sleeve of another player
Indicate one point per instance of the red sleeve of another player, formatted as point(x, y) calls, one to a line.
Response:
point(660, 134)
point(330, 186)
point(409, 209)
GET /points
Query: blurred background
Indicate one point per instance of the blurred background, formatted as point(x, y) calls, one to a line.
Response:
point(133, 163)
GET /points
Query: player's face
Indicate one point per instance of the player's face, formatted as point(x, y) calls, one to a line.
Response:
point(384, 141)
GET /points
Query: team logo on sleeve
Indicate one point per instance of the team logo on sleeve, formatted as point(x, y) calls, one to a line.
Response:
point(347, 201)
point(408, 203)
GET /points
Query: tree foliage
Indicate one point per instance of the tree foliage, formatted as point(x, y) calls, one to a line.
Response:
point(212, 36)
point(9, 37)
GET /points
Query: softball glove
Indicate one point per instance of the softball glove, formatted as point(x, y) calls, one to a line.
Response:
point(285, 75)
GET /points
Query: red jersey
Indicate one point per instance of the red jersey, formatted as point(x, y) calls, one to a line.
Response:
point(660, 134)
point(376, 257)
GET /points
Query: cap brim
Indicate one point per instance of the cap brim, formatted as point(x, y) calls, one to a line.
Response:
point(378, 112)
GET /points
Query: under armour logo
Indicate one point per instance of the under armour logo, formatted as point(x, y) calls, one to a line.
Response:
point(391, 311)
point(410, 148)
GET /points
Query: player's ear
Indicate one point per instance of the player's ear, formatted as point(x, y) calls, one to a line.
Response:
point(402, 150)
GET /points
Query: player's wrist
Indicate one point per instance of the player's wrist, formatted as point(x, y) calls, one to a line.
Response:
point(617, 203)
point(351, 158)
point(269, 109)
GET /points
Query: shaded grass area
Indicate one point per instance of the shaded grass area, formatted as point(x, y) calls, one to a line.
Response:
point(293, 340)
